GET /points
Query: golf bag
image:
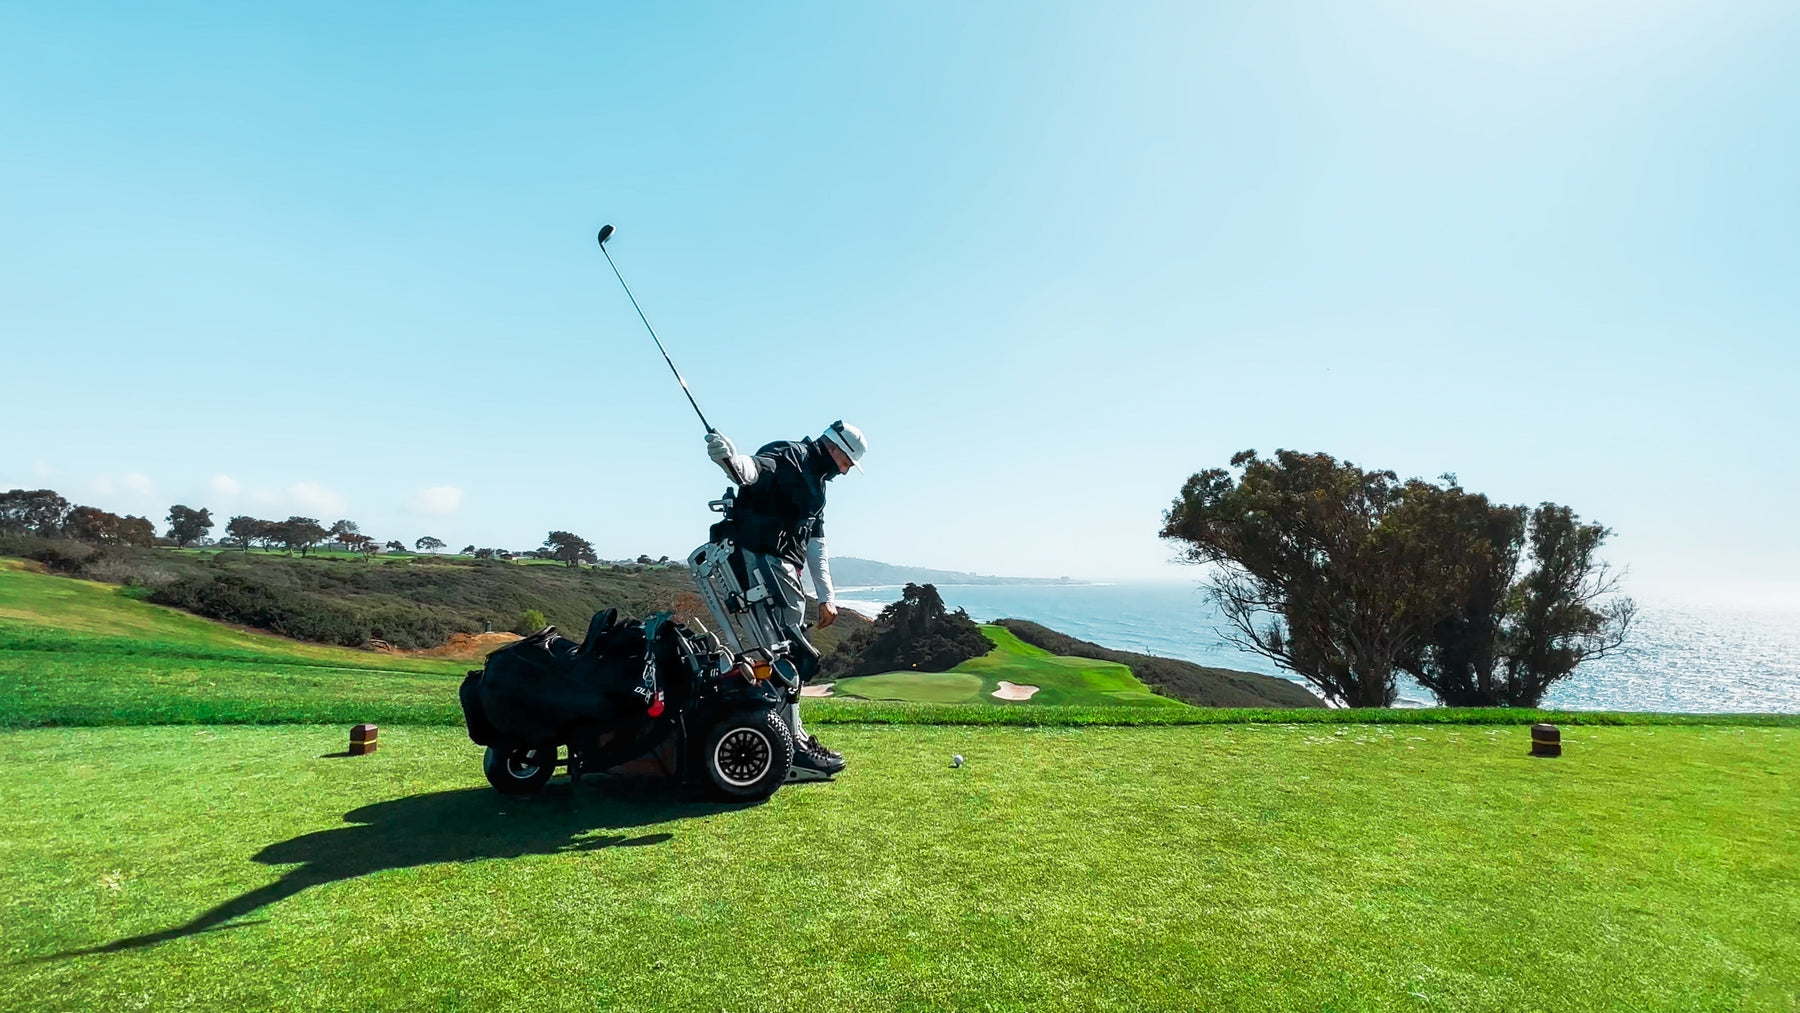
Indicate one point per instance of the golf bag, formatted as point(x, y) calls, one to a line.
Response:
point(632, 694)
point(549, 689)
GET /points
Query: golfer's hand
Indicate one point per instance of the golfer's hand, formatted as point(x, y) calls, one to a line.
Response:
point(827, 614)
point(719, 448)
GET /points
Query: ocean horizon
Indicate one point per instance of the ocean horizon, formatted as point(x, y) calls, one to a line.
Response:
point(1677, 657)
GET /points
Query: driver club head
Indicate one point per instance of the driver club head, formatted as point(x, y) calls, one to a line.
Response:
point(606, 232)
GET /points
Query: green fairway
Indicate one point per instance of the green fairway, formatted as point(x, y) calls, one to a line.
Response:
point(1060, 680)
point(77, 652)
point(1272, 867)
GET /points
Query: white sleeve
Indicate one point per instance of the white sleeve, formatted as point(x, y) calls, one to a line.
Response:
point(819, 564)
point(741, 468)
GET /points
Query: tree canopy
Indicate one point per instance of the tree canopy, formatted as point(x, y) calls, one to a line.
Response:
point(570, 548)
point(1346, 576)
point(916, 633)
point(187, 525)
point(33, 512)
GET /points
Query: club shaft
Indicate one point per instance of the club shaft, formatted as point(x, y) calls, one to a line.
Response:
point(653, 337)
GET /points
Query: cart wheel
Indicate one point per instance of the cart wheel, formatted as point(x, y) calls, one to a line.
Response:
point(747, 755)
point(521, 771)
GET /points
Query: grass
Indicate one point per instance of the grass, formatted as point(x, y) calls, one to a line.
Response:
point(1061, 681)
point(78, 653)
point(1244, 867)
point(75, 652)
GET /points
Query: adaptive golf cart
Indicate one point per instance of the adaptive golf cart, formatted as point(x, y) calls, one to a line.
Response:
point(713, 713)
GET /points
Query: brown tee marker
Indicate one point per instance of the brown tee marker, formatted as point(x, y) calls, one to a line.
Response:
point(363, 739)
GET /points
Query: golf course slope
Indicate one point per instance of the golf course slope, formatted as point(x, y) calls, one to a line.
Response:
point(76, 652)
point(1059, 680)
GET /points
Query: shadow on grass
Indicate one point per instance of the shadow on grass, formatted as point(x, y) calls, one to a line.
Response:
point(446, 826)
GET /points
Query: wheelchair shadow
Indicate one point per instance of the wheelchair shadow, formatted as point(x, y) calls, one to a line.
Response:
point(448, 826)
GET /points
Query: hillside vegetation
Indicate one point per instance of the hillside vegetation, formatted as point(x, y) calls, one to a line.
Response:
point(411, 602)
point(1199, 685)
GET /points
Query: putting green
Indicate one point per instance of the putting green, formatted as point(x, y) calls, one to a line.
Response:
point(1060, 680)
point(914, 687)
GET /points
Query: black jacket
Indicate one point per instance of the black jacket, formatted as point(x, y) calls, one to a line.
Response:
point(785, 506)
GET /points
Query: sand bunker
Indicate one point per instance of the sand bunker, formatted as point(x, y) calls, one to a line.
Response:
point(471, 646)
point(1011, 691)
point(823, 689)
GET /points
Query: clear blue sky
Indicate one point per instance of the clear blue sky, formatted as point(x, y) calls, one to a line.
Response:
point(1052, 258)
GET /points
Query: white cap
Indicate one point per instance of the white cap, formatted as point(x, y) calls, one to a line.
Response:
point(849, 439)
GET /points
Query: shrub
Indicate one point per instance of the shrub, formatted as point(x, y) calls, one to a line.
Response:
point(530, 621)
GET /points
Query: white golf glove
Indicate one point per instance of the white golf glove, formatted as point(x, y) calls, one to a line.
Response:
point(719, 448)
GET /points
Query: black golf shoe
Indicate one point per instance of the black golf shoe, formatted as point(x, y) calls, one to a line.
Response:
point(813, 762)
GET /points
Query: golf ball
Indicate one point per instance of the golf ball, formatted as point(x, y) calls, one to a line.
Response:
point(956, 761)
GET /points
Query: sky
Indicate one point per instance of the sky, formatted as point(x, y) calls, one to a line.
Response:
point(338, 260)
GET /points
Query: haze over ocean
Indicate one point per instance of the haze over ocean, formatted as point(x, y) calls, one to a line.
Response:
point(1677, 658)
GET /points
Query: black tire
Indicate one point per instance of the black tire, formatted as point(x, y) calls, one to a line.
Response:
point(519, 771)
point(746, 756)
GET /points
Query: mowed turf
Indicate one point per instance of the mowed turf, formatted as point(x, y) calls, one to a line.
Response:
point(1060, 680)
point(78, 652)
point(1268, 867)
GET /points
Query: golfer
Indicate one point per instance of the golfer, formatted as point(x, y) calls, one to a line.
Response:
point(779, 525)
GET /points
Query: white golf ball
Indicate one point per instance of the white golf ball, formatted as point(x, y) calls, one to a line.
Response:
point(956, 761)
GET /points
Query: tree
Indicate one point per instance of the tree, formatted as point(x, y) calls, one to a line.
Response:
point(244, 529)
point(429, 544)
point(1517, 634)
point(92, 524)
point(572, 549)
point(300, 533)
point(467, 550)
point(139, 531)
point(38, 512)
point(397, 545)
point(917, 633)
point(483, 553)
point(1346, 576)
point(187, 525)
point(362, 544)
point(344, 533)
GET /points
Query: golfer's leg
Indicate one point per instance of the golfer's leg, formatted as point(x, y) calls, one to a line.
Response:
point(790, 612)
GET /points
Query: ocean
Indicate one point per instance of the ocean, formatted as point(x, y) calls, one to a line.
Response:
point(1685, 659)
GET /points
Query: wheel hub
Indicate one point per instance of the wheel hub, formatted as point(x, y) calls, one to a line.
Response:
point(742, 756)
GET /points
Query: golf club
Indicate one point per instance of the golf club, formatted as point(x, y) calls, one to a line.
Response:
point(606, 232)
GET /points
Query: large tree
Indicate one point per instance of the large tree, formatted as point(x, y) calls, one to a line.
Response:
point(92, 524)
point(38, 512)
point(1346, 576)
point(344, 533)
point(300, 533)
point(139, 531)
point(570, 548)
point(429, 543)
point(244, 529)
point(187, 525)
